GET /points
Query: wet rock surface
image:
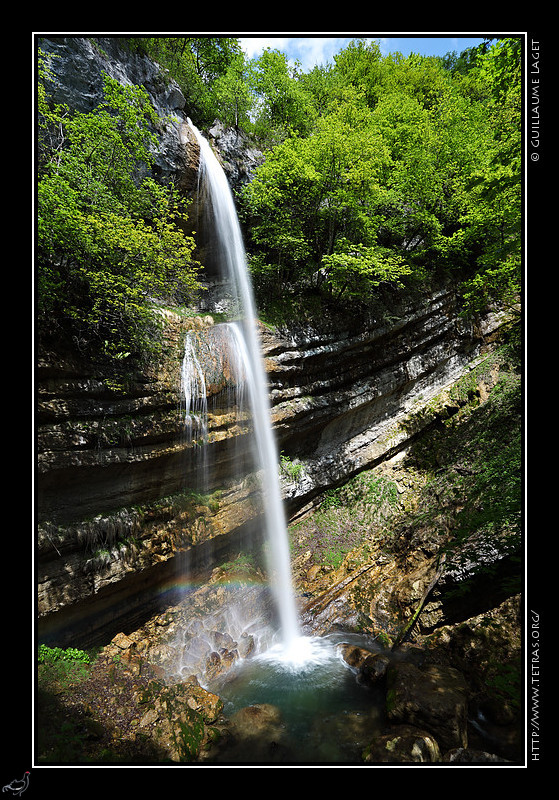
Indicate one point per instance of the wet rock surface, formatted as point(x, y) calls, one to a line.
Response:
point(128, 710)
point(257, 734)
point(434, 697)
point(450, 686)
point(346, 396)
point(404, 744)
point(123, 714)
point(116, 468)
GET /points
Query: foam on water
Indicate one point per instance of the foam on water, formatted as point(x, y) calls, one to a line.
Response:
point(301, 654)
point(321, 714)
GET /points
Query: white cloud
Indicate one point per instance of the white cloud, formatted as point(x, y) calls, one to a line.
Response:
point(383, 43)
point(314, 50)
point(308, 50)
point(253, 46)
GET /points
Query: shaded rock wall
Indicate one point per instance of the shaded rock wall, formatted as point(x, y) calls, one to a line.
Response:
point(120, 500)
point(345, 399)
point(121, 504)
point(118, 486)
point(78, 66)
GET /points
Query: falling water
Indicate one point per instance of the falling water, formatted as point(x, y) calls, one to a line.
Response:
point(231, 254)
point(195, 404)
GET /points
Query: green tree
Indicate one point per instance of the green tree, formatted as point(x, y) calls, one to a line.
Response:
point(420, 77)
point(323, 85)
point(408, 166)
point(233, 95)
point(109, 238)
point(282, 106)
point(357, 270)
point(278, 203)
point(314, 206)
point(494, 211)
point(360, 65)
point(195, 63)
point(463, 62)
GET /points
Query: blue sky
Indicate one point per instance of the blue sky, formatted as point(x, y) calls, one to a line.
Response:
point(312, 50)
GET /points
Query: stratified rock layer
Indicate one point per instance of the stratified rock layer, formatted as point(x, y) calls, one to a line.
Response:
point(118, 486)
point(126, 508)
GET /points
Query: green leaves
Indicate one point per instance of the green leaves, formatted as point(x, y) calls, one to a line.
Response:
point(313, 192)
point(109, 242)
point(233, 95)
point(50, 654)
point(356, 269)
point(280, 103)
point(407, 168)
point(197, 64)
point(381, 169)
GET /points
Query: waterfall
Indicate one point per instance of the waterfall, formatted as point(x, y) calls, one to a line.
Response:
point(195, 401)
point(232, 258)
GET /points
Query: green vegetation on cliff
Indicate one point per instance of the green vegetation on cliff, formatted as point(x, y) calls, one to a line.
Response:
point(408, 170)
point(109, 241)
point(379, 172)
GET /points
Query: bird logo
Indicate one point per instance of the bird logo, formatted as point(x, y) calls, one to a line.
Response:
point(17, 787)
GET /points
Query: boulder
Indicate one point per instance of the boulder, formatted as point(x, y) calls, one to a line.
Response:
point(179, 719)
point(353, 656)
point(261, 719)
point(405, 744)
point(373, 669)
point(217, 664)
point(257, 735)
point(462, 756)
point(245, 647)
point(432, 698)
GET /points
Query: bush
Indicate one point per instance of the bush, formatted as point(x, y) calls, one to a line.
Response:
point(109, 242)
point(49, 655)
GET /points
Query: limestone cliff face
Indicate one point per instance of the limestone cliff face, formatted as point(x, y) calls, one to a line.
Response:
point(104, 449)
point(119, 485)
point(78, 66)
point(122, 496)
point(345, 398)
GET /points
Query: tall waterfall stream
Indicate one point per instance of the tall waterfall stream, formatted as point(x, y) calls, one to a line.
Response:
point(231, 254)
point(303, 677)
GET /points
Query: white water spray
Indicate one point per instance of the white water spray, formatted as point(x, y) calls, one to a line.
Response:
point(195, 404)
point(232, 257)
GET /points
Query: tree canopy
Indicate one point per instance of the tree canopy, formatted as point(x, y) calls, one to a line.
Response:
point(109, 242)
point(378, 171)
point(406, 168)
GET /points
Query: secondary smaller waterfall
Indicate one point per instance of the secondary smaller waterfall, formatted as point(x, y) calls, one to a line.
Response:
point(195, 403)
point(232, 258)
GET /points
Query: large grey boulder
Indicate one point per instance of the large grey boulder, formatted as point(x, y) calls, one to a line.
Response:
point(433, 698)
point(404, 744)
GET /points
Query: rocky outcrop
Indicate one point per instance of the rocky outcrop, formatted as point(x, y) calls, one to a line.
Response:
point(429, 713)
point(238, 156)
point(120, 497)
point(78, 66)
point(126, 506)
point(121, 708)
point(348, 396)
point(118, 485)
point(403, 745)
point(434, 697)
